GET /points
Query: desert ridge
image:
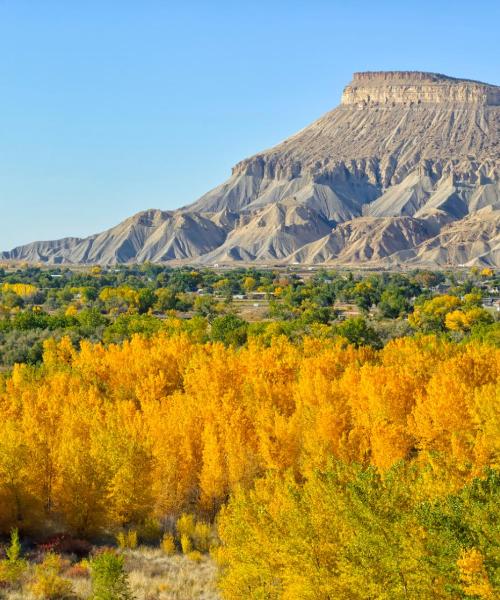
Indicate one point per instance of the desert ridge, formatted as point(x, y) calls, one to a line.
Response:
point(406, 170)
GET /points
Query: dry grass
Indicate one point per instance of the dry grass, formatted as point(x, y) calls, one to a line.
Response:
point(155, 576)
point(152, 576)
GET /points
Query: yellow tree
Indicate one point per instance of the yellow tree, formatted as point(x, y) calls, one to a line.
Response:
point(213, 478)
point(17, 506)
point(80, 488)
point(473, 575)
point(130, 465)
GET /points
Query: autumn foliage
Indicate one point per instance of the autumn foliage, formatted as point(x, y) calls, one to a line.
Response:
point(104, 438)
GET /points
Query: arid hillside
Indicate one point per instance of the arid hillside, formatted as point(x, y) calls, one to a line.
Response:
point(405, 170)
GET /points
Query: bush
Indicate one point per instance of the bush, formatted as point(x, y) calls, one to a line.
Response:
point(185, 525)
point(202, 536)
point(186, 544)
point(150, 531)
point(192, 534)
point(80, 570)
point(65, 544)
point(127, 539)
point(195, 556)
point(167, 544)
point(109, 580)
point(13, 568)
point(48, 584)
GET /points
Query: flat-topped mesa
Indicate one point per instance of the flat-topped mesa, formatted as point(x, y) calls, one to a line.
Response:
point(387, 88)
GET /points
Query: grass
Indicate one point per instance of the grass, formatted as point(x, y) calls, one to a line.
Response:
point(155, 576)
point(152, 576)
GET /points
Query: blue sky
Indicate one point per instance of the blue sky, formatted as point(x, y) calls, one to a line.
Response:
point(108, 107)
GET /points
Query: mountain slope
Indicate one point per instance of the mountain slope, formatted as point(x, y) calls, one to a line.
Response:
point(152, 235)
point(405, 160)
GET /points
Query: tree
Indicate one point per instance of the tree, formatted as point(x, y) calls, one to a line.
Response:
point(229, 329)
point(473, 575)
point(14, 566)
point(166, 299)
point(146, 300)
point(205, 306)
point(465, 320)
point(213, 484)
point(431, 314)
point(393, 303)
point(249, 284)
point(347, 531)
point(358, 332)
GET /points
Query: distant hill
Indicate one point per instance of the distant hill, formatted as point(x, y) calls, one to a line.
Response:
point(405, 171)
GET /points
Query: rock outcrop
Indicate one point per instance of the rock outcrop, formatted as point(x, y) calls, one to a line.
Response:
point(382, 88)
point(405, 162)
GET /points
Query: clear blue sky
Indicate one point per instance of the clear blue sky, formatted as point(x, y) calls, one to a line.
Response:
point(108, 107)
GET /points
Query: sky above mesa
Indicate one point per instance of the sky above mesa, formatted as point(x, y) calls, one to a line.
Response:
point(109, 107)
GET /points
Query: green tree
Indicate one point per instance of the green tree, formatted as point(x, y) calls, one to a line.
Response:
point(393, 303)
point(147, 299)
point(205, 306)
point(229, 329)
point(358, 332)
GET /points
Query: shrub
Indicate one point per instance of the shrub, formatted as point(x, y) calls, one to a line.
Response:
point(167, 544)
point(13, 568)
point(150, 531)
point(195, 556)
point(186, 544)
point(192, 534)
point(185, 525)
point(109, 580)
point(48, 584)
point(127, 539)
point(80, 570)
point(202, 536)
point(65, 544)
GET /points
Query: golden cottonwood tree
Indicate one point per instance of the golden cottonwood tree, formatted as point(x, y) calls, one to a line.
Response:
point(108, 436)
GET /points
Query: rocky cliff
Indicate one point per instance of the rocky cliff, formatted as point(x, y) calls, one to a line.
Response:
point(405, 158)
point(388, 88)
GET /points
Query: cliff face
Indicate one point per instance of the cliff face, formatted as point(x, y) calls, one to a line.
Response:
point(378, 179)
point(388, 88)
point(390, 123)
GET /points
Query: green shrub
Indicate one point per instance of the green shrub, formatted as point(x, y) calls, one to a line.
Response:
point(108, 577)
point(13, 568)
point(150, 531)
